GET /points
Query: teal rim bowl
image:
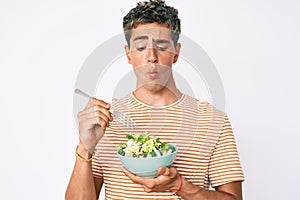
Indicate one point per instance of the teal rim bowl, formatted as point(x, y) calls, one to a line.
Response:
point(147, 167)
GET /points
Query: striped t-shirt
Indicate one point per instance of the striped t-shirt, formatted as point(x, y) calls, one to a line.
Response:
point(207, 154)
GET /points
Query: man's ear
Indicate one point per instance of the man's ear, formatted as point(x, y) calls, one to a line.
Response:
point(128, 54)
point(177, 51)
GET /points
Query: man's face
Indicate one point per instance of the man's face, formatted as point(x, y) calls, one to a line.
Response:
point(152, 54)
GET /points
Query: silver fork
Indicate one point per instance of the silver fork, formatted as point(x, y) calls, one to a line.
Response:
point(120, 116)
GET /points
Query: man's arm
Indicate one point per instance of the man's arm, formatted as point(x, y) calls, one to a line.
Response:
point(169, 181)
point(229, 191)
point(82, 184)
point(93, 121)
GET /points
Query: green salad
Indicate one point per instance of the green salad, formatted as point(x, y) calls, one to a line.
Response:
point(144, 145)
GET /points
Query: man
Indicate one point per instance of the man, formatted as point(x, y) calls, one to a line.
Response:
point(207, 155)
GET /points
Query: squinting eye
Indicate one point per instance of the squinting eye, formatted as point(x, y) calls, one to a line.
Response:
point(141, 48)
point(161, 48)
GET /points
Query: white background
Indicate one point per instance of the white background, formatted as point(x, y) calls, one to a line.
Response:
point(254, 44)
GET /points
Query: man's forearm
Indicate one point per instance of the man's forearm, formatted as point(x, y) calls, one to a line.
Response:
point(190, 191)
point(81, 185)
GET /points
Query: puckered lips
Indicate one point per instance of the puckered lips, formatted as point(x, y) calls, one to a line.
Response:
point(152, 74)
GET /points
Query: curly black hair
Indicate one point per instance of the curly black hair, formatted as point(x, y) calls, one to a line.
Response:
point(152, 11)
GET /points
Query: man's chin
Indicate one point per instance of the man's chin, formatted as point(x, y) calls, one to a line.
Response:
point(154, 87)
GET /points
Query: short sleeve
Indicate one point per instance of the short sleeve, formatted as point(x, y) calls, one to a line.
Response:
point(225, 166)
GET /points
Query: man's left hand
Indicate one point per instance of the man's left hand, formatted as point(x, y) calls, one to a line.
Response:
point(168, 180)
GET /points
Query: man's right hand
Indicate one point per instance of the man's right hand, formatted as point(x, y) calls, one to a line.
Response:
point(93, 120)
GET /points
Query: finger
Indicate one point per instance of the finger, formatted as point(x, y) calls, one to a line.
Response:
point(95, 115)
point(96, 108)
point(90, 123)
point(134, 178)
point(97, 111)
point(146, 189)
point(93, 101)
point(165, 171)
point(173, 171)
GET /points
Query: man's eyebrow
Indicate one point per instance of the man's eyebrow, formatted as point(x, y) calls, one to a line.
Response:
point(143, 37)
point(160, 41)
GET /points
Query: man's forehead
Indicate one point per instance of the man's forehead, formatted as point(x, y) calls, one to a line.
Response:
point(147, 33)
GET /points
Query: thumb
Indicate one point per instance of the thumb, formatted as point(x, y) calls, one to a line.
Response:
point(165, 171)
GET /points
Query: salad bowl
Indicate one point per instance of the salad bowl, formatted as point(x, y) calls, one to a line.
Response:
point(146, 165)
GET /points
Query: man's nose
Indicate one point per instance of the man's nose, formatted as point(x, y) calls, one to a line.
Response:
point(152, 55)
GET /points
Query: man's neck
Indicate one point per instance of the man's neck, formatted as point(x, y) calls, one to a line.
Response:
point(165, 96)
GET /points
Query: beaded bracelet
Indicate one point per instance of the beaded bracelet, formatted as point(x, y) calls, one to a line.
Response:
point(81, 158)
point(180, 185)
